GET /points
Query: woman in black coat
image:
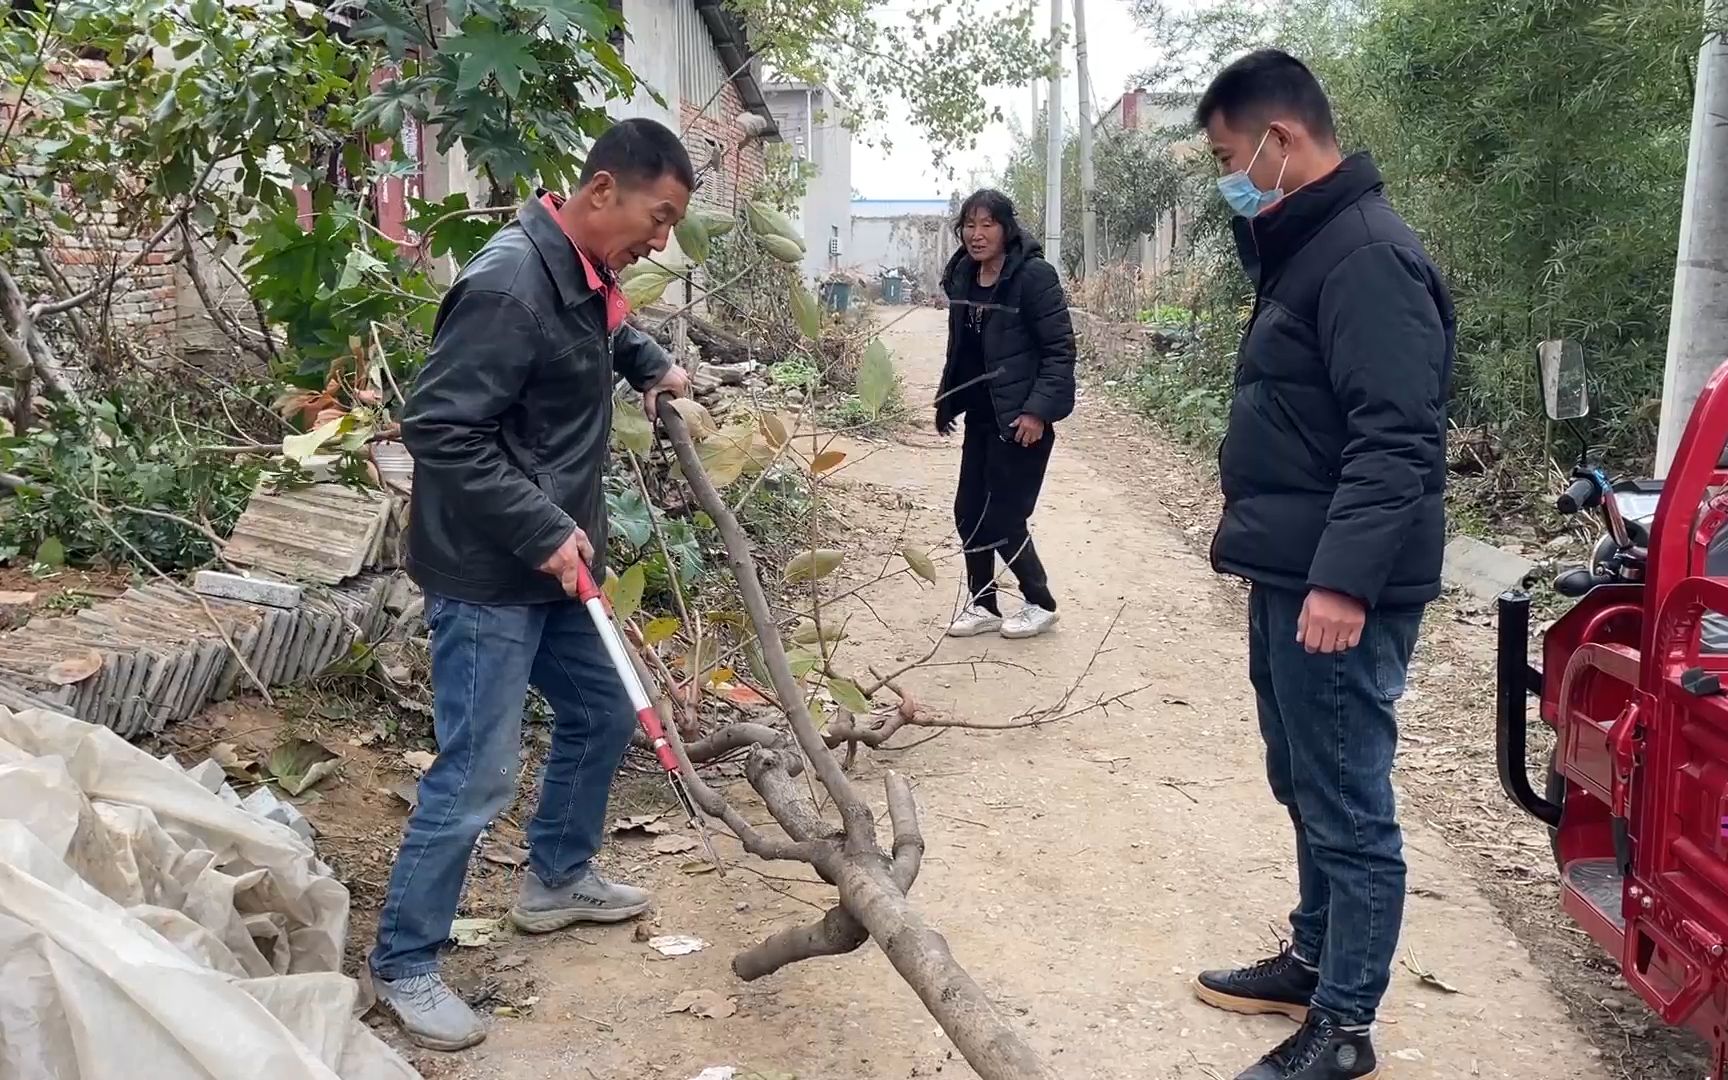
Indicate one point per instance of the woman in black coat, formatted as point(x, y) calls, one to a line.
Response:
point(1010, 375)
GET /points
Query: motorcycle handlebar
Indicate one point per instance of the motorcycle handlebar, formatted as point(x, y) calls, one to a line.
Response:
point(1579, 496)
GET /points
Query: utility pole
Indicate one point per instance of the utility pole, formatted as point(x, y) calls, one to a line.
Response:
point(1053, 152)
point(1698, 327)
point(1088, 182)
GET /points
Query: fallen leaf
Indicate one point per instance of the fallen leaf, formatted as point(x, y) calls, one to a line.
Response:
point(674, 845)
point(805, 633)
point(676, 944)
point(520, 1009)
point(473, 933)
point(408, 791)
point(707, 1004)
point(748, 696)
point(643, 823)
point(227, 755)
point(299, 764)
point(419, 760)
point(697, 869)
point(75, 669)
point(298, 448)
point(505, 855)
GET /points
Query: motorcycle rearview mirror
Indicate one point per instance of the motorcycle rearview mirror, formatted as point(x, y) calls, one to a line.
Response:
point(1565, 382)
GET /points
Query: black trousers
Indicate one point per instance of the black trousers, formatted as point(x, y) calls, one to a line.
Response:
point(998, 490)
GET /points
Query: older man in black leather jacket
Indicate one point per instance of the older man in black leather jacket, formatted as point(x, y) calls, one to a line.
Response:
point(509, 424)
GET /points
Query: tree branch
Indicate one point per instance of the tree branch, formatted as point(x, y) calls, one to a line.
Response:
point(854, 811)
point(38, 354)
point(224, 321)
point(37, 311)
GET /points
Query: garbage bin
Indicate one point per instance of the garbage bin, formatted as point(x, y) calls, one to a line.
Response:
point(892, 290)
point(836, 295)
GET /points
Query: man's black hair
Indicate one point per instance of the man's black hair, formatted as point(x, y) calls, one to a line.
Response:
point(639, 151)
point(1000, 208)
point(1263, 86)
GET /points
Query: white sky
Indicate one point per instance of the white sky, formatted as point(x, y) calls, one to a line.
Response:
point(1116, 51)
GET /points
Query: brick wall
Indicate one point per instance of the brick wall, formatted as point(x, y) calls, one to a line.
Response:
point(146, 306)
point(147, 310)
point(743, 169)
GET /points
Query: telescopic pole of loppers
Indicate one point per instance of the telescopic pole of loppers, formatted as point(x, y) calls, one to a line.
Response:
point(595, 601)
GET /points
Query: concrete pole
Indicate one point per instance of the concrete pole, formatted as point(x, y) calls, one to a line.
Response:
point(1088, 182)
point(1053, 151)
point(1698, 330)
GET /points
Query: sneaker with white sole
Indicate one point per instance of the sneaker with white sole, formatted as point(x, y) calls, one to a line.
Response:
point(1030, 621)
point(973, 621)
point(429, 1011)
point(588, 898)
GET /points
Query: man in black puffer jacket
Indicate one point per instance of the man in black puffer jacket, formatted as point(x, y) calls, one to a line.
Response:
point(1333, 470)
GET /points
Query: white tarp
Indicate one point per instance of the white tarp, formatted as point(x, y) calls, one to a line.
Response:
point(148, 929)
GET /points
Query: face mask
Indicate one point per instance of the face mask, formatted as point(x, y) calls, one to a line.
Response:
point(1240, 192)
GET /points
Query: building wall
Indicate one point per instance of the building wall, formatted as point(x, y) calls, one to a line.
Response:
point(654, 49)
point(1137, 110)
point(919, 244)
point(742, 167)
point(812, 123)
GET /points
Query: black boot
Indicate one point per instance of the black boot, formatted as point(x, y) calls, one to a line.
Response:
point(1282, 984)
point(1320, 1050)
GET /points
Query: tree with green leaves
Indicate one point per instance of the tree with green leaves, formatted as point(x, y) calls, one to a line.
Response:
point(1539, 149)
point(934, 60)
point(1139, 180)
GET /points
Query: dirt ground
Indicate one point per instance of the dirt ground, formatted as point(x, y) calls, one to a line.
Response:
point(1083, 871)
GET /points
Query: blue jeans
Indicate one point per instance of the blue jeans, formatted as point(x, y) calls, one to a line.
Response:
point(483, 659)
point(1331, 731)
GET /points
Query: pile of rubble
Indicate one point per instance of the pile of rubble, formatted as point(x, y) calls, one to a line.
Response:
point(320, 568)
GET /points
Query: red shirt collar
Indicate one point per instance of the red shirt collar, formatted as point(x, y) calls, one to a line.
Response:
point(617, 305)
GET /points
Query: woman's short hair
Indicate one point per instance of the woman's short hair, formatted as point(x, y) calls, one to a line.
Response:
point(1000, 208)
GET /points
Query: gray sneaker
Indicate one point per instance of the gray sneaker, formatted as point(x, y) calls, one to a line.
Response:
point(429, 1011)
point(587, 898)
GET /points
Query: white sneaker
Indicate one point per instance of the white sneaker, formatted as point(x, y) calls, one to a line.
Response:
point(1030, 621)
point(973, 621)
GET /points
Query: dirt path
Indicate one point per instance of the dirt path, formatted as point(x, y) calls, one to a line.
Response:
point(1083, 871)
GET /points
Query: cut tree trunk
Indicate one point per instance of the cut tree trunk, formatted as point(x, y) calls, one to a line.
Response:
point(873, 884)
